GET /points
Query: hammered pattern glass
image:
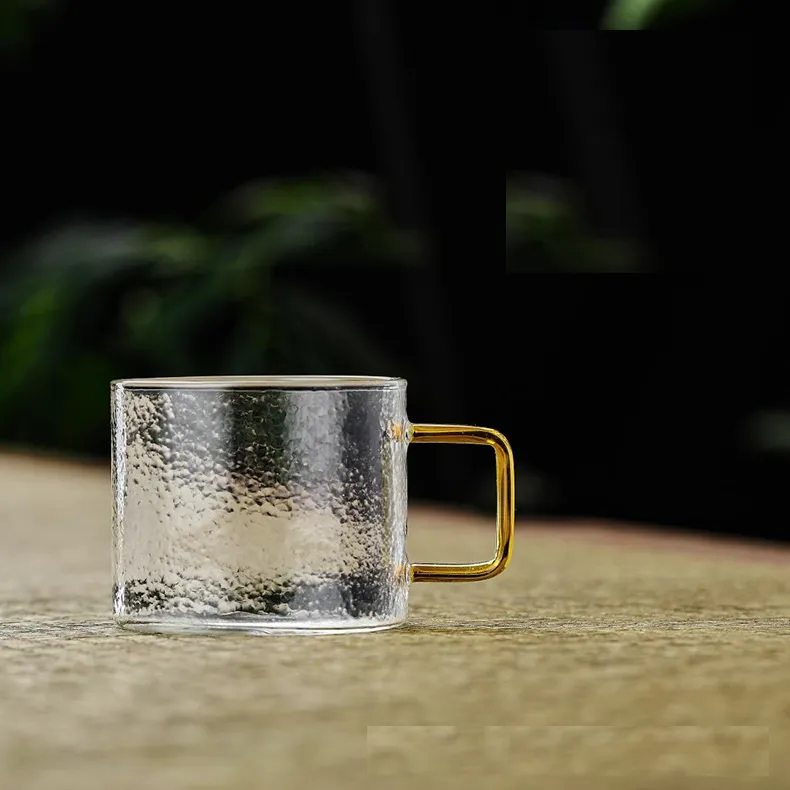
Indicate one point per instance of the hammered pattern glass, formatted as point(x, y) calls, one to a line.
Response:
point(270, 509)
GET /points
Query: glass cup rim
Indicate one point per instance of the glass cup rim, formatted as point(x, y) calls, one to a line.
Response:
point(262, 382)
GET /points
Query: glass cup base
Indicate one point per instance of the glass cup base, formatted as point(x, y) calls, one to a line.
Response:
point(235, 624)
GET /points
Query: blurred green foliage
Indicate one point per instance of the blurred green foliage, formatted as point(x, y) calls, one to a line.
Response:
point(643, 14)
point(545, 231)
point(87, 302)
point(767, 433)
point(17, 21)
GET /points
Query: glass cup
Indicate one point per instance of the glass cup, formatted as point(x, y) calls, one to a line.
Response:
point(273, 504)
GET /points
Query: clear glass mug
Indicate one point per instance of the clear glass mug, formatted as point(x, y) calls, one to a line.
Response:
point(274, 504)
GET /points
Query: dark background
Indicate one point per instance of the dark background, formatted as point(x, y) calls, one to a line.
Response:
point(655, 394)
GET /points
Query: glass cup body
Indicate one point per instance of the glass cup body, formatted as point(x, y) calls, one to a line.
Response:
point(260, 504)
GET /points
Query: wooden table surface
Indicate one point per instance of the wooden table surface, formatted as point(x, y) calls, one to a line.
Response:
point(602, 658)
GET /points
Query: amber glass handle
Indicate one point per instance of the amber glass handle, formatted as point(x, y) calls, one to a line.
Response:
point(505, 520)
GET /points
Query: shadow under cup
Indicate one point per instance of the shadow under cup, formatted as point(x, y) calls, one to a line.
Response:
point(270, 505)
